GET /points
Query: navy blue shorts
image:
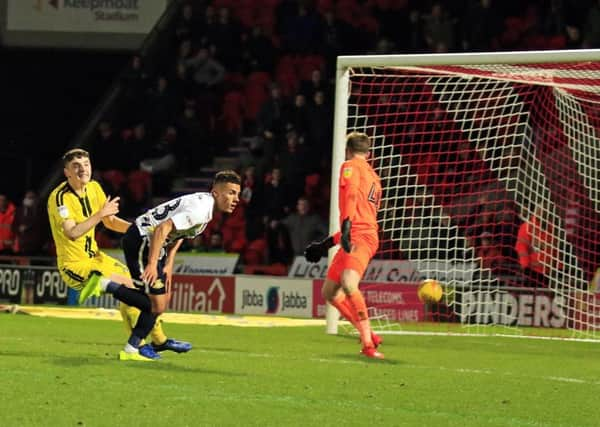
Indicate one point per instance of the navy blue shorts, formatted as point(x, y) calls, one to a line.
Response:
point(136, 248)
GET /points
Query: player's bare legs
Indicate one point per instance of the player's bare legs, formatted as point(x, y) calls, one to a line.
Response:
point(159, 303)
point(332, 292)
point(336, 296)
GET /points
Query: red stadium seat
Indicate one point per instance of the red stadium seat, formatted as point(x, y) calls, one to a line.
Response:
point(126, 134)
point(234, 80)
point(265, 4)
point(311, 183)
point(324, 5)
point(256, 92)
point(230, 4)
point(269, 270)
point(256, 252)
point(246, 16)
point(139, 184)
point(289, 83)
point(233, 111)
point(236, 245)
point(114, 179)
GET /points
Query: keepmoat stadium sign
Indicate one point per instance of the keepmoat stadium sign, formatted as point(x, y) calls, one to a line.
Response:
point(90, 16)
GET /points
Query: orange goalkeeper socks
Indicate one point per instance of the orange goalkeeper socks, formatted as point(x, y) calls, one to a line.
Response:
point(364, 327)
point(344, 306)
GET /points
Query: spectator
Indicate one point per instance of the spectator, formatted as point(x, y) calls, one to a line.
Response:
point(192, 149)
point(480, 26)
point(202, 244)
point(279, 247)
point(536, 249)
point(29, 226)
point(225, 37)
point(160, 158)
point(298, 115)
point(275, 196)
point(334, 34)
point(162, 105)
point(302, 34)
point(320, 125)
point(489, 253)
point(416, 41)
point(316, 83)
point(183, 54)
point(136, 147)
point(573, 37)
point(182, 85)
point(187, 25)
point(135, 83)
point(248, 185)
point(256, 156)
point(293, 162)
point(553, 19)
point(592, 27)
point(439, 28)
point(258, 53)
point(304, 226)
point(484, 224)
point(270, 119)
point(206, 72)
point(215, 242)
point(107, 148)
point(7, 217)
point(392, 18)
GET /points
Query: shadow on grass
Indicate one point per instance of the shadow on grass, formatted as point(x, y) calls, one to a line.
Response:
point(227, 350)
point(98, 342)
point(77, 361)
point(159, 365)
point(69, 359)
point(362, 359)
point(163, 365)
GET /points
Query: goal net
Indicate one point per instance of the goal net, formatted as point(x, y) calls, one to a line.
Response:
point(490, 166)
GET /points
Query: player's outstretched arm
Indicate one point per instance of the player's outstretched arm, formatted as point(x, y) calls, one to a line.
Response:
point(116, 223)
point(74, 230)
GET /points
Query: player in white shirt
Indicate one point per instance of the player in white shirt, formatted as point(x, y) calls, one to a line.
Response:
point(150, 246)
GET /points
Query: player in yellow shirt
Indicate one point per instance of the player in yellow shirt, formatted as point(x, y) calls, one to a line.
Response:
point(75, 207)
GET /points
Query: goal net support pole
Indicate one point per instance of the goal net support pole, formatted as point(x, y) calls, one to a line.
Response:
point(338, 157)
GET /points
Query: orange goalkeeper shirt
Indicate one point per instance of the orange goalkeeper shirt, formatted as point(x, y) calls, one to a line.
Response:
point(360, 194)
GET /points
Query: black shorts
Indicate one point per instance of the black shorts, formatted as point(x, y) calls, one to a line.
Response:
point(136, 249)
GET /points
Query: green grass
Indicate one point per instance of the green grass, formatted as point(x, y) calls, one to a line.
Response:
point(60, 372)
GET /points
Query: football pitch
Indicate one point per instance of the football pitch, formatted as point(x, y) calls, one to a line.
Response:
point(64, 372)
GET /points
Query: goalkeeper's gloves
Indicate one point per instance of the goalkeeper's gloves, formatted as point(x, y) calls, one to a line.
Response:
point(317, 249)
point(346, 238)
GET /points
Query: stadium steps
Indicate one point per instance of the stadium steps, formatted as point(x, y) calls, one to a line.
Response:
point(203, 180)
point(226, 162)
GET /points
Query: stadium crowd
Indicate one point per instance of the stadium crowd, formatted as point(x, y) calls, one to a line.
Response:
point(256, 78)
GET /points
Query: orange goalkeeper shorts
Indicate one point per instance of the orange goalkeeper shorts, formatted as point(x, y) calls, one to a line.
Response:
point(365, 246)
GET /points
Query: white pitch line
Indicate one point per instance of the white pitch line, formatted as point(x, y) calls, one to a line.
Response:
point(464, 334)
point(571, 380)
point(467, 371)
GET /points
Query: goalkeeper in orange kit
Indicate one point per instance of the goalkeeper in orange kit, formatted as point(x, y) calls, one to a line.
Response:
point(359, 197)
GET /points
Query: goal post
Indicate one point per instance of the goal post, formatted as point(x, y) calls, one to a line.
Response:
point(490, 168)
point(340, 119)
